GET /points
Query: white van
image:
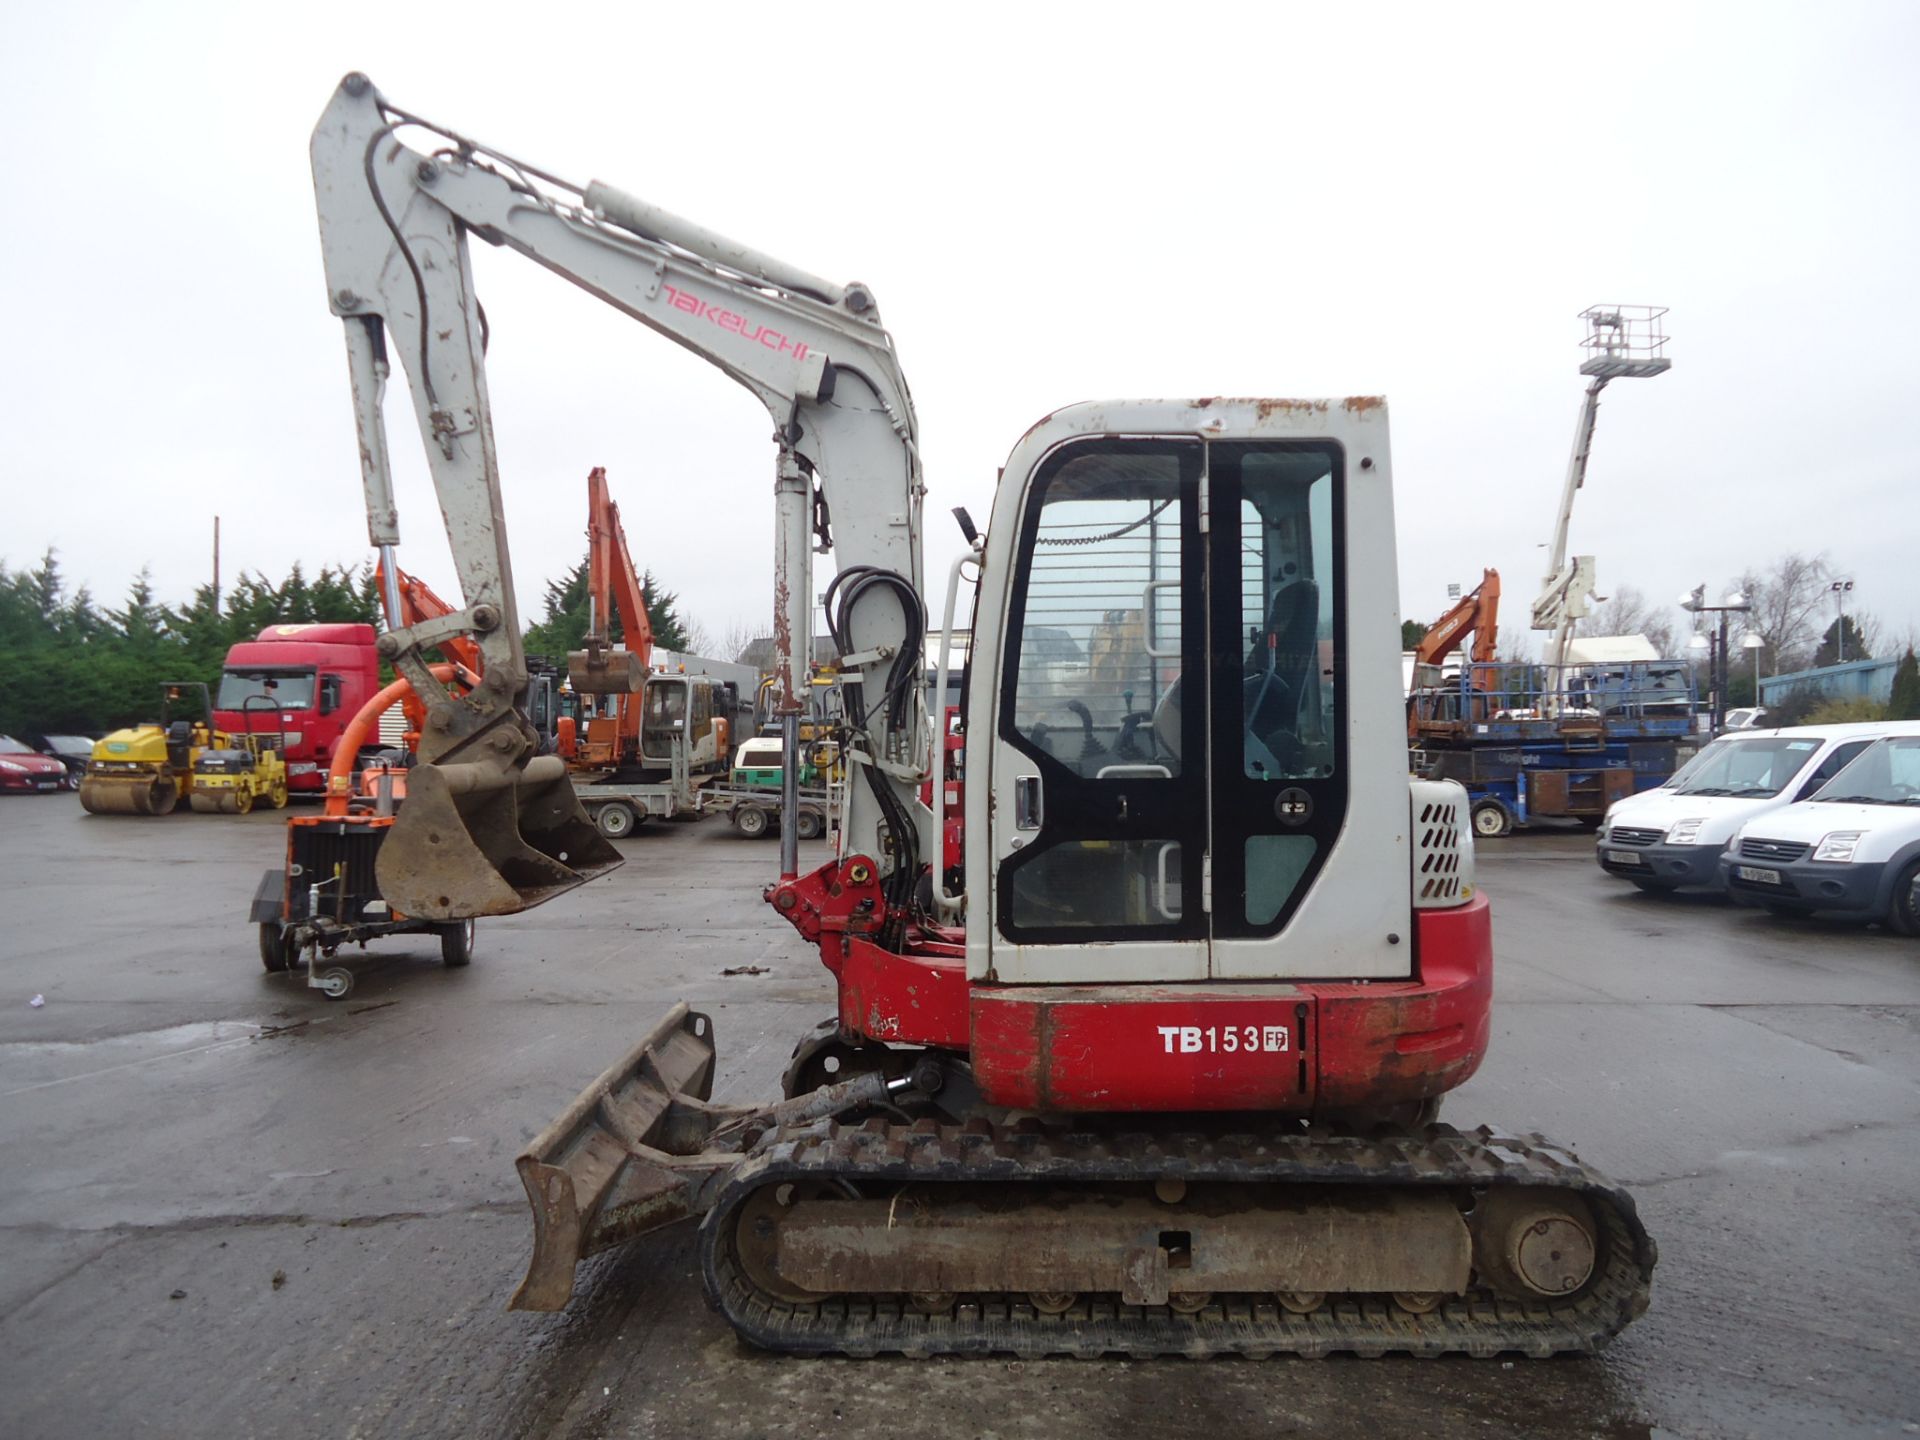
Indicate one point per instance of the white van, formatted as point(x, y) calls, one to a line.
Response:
point(1671, 838)
point(1854, 849)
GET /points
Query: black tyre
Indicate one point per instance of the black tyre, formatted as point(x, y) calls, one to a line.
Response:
point(1491, 820)
point(615, 819)
point(456, 944)
point(1785, 910)
point(1903, 910)
point(1652, 887)
point(751, 821)
point(811, 824)
point(276, 951)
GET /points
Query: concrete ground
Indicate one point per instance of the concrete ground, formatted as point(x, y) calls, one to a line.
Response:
point(231, 1207)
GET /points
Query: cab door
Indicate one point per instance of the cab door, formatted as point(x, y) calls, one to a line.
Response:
point(1099, 777)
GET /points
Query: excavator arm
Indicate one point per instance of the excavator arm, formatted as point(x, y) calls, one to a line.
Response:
point(1476, 613)
point(613, 589)
point(395, 223)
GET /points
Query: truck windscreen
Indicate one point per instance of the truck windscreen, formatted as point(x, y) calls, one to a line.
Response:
point(291, 689)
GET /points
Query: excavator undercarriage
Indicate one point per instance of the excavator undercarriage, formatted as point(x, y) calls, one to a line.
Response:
point(892, 1212)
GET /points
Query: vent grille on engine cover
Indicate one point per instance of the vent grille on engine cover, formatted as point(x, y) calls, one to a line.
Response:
point(1442, 847)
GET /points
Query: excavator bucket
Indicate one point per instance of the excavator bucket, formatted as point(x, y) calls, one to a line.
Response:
point(476, 838)
point(604, 1171)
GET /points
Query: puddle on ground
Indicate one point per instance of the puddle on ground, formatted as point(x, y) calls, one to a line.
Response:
point(201, 1032)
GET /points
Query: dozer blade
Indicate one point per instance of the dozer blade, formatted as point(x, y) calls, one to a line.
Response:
point(599, 1174)
point(643, 1147)
point(477, 838)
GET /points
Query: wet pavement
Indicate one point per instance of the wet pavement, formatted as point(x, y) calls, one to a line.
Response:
point(231, 1207)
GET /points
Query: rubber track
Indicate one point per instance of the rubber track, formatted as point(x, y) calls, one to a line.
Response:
point(1479, 1323)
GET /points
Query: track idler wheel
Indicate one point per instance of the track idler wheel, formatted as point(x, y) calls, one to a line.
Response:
point(1534, 1244)
point(756, 1240)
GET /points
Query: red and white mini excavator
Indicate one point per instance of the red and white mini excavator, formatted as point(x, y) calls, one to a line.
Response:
point(1162, 1074)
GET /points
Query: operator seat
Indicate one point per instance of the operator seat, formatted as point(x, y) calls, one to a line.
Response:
point(1286, 644)
point(179, 743)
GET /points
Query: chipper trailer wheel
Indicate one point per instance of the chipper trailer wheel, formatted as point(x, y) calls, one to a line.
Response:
point(336, 982)
point(276, 949)
point(456, 944)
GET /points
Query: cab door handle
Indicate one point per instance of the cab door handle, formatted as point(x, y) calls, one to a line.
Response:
point(1029, 810)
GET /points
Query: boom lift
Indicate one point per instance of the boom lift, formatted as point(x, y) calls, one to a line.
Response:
point(1153, 1081)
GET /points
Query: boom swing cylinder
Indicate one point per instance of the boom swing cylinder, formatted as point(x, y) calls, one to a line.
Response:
point(1207, 938)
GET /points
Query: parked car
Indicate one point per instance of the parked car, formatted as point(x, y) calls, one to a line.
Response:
point(1671, 838)
point(24, 770)
point(1747, 717)
point(72, 751)
point(1854, 849)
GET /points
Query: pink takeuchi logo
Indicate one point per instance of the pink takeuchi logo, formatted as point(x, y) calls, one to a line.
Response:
point(738, 324)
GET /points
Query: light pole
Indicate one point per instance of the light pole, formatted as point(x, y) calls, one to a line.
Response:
point(1754, 642)
point(1734, 604)
point(1840, 589)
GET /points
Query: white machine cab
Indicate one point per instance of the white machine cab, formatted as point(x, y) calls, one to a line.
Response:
point(1671, 838)
point(1853, 849)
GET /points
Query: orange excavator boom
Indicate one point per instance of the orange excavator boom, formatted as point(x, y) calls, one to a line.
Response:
point(613, 589)
point(1477, 612)
point(418, 603)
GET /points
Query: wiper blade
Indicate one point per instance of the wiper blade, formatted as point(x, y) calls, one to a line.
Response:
point(1853, 800)
point(1708, 790)
point(1754, 790)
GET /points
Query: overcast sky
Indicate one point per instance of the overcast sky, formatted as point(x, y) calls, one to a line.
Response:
point(1051, 204)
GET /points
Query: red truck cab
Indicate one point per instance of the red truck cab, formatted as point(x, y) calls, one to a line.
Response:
point(318, 677)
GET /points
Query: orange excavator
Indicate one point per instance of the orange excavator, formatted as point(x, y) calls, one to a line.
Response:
point(611, 739)
point(634, 724)
point(1477, 613)
point(409, 602)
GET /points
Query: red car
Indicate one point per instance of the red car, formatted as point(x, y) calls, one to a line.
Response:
point(23, 768)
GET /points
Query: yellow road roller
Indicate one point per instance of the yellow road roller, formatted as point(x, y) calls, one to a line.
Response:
point(239, 771)
point(145, 769)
